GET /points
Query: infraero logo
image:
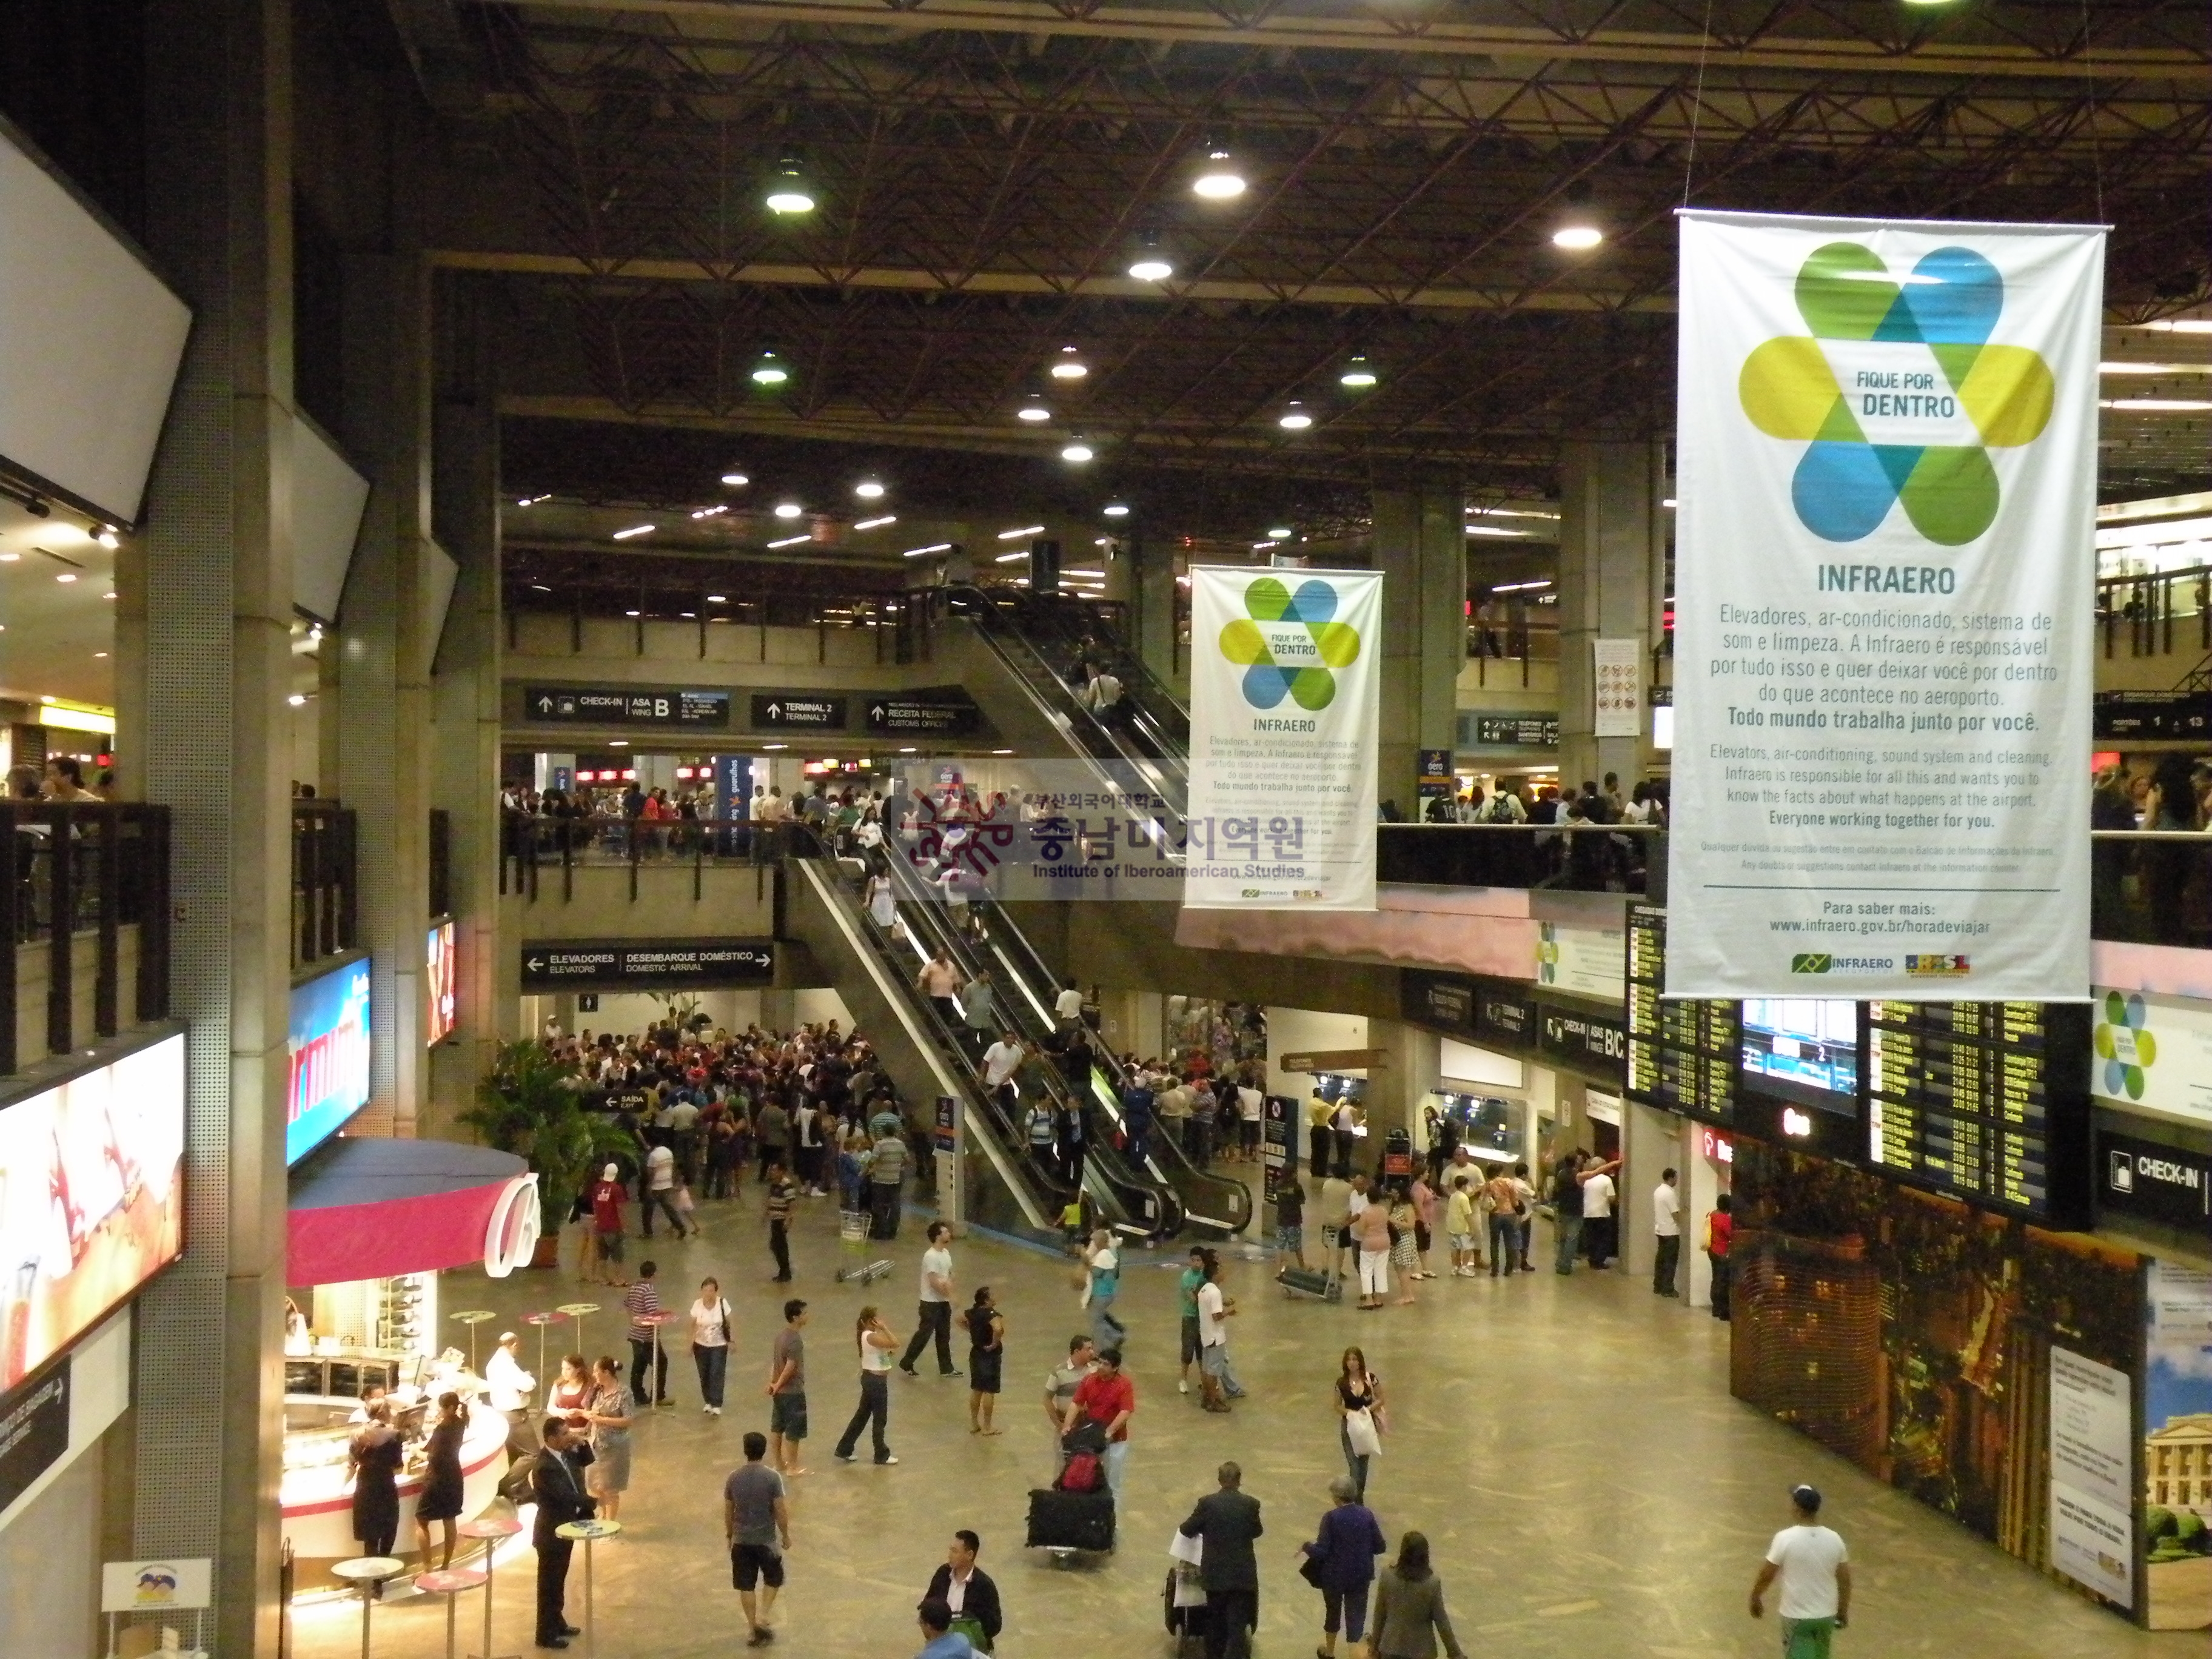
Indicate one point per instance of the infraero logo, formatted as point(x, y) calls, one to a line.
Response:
point(1898, 391)
point(1288, 644)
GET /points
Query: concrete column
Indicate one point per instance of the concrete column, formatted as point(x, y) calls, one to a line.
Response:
point(1650, 1142)
point(1613, 573)
point(1420, 548)
point(1152, 608)
point(383, 736)
point(464, 698)
point(217, 563)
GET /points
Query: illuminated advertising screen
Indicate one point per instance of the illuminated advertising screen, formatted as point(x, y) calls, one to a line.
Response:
point(1810, 1042)
point(444, 986)
point(330, 1056)
point(92, 1200)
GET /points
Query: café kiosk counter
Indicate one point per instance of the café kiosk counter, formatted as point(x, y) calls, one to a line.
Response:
point(372, 1222)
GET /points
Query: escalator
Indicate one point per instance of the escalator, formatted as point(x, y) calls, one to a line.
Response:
point(1021, 1194)
point(1134, 1196)
point(1066, 632)
point(1041, 651)
point(1212, 1203)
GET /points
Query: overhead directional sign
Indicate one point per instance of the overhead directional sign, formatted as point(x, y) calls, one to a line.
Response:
point(618, 705)
point(935, 715)
point(647, 964)
point(802, 711)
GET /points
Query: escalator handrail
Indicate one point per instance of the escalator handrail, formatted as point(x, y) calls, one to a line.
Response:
point(1157, 1211)
point(1045, 613)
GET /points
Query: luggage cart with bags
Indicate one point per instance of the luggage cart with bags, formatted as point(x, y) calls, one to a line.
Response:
point(1075, 1514)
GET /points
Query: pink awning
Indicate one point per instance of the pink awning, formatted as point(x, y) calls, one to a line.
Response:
point(371, 1208)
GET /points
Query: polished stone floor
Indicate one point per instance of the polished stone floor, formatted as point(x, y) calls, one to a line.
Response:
point(1569, 1446)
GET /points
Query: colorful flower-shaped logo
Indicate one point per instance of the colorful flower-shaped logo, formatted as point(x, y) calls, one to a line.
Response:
point(1288, 644)
point(2124, 1044)
point(1898, 392)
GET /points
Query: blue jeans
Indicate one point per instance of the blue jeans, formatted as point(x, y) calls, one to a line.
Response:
point(1504, 1244)
point(1106, 1331)
point(1356, 1465)
point(1569, 1229)
point(1116, 1460)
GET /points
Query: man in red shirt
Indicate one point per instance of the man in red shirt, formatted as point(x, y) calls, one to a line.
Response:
point(1107, 1398)
point(604, 1244)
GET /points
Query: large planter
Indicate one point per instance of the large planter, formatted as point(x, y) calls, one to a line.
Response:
point(548, 1253)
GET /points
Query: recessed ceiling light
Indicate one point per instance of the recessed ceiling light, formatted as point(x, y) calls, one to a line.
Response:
point(296, 699)
point(868, 490)
point(1117, 509)
point(9, 558)
point(107, 538)
point(99, 653)
point(1218, 180)
point(109, 594)
point(1026, 529)
point(718, 598)
point(634, 529)
point(788, 509)
point(66, 576)
point(1280, 534)
point(1078, 452)
point(1069, 365)
point(877, 523)
point(1294, 418)
point(736, 480)
point(1578, 238)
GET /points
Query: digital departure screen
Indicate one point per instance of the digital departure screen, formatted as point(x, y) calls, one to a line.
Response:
point(1681, 1055)
point(1810, 1042)
point(1986, 1101)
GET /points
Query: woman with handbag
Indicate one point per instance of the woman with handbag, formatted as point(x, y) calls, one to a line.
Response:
point(1340, 1564)
point(710, 1344)
point(1371, 1233)
point(1405, 1243)
point(1359, 1417)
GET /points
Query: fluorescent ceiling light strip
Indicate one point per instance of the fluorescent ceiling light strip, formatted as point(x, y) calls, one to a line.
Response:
point(634, 529)
point(791, 541)
point(934, 547)
point(2155, 506)
point(1028, 530)
point(2155, 368)
point(2157, 405)
point(877, 524)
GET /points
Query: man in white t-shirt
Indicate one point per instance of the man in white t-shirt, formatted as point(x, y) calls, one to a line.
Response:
point(1214, 1312)
point(661, 1188)
point(1000, 1061)
point(1067, 1006)
point(1666, 1234)
point(1816, 1570)
point(1600, 1227)
point(934, 1317)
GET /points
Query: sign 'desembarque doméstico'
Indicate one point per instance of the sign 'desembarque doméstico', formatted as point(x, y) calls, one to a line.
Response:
point(647, 964)
point(1886, 480)
point(624, 705)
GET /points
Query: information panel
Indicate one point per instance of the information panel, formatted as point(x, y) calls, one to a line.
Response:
point(1682, 1054)
point(1886, 478)
point(1985, 1101)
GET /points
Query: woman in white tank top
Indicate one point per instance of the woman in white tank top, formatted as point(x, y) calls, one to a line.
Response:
point(875, 1343)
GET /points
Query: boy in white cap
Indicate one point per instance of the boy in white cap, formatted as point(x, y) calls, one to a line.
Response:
point(604, 1243)
point(1816, 1570)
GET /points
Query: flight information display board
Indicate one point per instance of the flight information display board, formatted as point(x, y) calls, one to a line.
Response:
point(1984, 1101)
point(1681, 1055)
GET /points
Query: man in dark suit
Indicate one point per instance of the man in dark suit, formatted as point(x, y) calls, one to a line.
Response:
point(556, 1483)
point(1228, 1522)
point(978, 1599)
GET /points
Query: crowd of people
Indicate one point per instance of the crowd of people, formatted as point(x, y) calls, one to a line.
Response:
point(795, 1115)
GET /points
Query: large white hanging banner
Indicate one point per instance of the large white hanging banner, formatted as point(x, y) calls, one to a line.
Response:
point(1886, 479)
point(1284, 687)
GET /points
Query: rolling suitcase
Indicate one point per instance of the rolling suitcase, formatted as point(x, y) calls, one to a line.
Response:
point(1185, 1616)
point(1071, 1519)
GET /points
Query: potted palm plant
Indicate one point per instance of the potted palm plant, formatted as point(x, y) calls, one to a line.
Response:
point(525, 1105)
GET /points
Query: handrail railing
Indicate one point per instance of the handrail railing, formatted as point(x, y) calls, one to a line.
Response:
point(1582, 857)
point(84, 868)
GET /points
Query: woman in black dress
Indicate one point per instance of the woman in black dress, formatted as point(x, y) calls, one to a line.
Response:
point(441, 1495)
point(986, 1351)
point(373, 1459)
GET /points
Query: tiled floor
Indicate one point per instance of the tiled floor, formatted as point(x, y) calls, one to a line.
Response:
point(1570, 1447)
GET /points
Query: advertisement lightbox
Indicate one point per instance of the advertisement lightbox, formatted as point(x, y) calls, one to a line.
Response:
point(438, 1024)
point(330, 1056)
point(92, 1200)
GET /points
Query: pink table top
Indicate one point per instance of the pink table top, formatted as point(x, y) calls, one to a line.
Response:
point(451, 1581)
point(489, 1526)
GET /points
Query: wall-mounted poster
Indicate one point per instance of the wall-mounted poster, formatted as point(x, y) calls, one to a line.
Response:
point(2177, 1448)
point(1887, 472)
point(2153, 1055)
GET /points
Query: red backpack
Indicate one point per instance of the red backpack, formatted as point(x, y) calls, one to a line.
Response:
point(1083, 1473)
